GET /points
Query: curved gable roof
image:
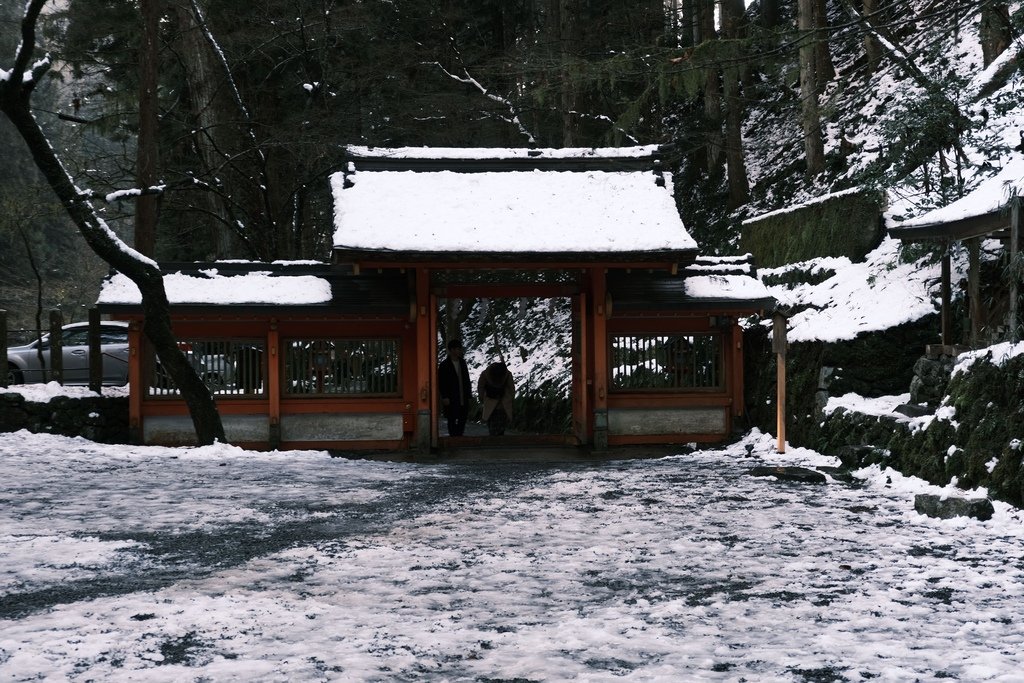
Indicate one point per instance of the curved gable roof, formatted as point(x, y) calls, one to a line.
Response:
point(445, 204)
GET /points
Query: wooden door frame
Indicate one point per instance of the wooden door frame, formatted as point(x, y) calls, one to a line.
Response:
point(577, 298)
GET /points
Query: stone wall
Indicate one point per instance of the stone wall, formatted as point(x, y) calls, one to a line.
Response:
point(975, 436)
point(843, 224)
point(97, 418)
point(879, 364)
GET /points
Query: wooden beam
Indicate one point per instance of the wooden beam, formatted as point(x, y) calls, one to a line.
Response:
point(965, 228)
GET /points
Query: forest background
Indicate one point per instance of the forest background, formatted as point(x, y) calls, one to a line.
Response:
point(762, 106)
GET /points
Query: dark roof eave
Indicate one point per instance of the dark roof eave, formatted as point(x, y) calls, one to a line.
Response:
point(961, 229)
point(767, 304)
point(254, 309)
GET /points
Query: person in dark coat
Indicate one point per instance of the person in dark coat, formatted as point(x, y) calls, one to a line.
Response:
point(496, 390)
point(454, 386)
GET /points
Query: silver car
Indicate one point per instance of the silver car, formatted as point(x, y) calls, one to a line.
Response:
point(23, 364)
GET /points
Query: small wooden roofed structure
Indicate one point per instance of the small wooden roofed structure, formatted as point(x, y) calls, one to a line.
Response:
point(993, 210)
point(344, 354)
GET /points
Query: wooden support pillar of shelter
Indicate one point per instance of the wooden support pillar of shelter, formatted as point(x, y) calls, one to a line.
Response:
point(947, 298)
point(273, 370)
point(3, 348)
point(135, 432)
point(1015, 269)
point(56, 347)
point(95, 352)
point(779, 344)
point(599, 335)
point(426, 346)
point(974, 289)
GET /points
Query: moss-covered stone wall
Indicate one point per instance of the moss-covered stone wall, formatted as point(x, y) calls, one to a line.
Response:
point(845, 225)
point(976, 437)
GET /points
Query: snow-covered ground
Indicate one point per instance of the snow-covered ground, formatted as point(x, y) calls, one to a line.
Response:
point(218, 564)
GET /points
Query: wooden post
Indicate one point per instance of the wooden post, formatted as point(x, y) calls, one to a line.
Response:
point(137, 386)
point(779, 347)
point(1015, 274)
point(3, 348)
point(95, 352)
point(56, 347)
point(599, 338)
point(947, 297)
point(426, 419)
point(974, 289)
point(274, 368)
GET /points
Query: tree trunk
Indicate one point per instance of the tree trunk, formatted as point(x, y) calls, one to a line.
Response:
point(146, 152)
point(568, 40)
point(994, 30)
point(814, 145)
point(872, 46)
point(704, 28)
point(768, 13)
point(15, 102)
point(824, 71)
point(739, 188)
point(206, 98)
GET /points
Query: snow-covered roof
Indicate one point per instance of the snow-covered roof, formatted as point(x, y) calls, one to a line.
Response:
point(711, 282)
point(533, 207)
point(242, 284)
point(210, 286)
point(988, 199)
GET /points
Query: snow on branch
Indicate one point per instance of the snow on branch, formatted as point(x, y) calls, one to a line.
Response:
point(602, 117)
point(469, 80)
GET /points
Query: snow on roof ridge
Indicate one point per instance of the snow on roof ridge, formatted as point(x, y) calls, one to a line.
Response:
point(212, 287)
point(742, 258)
point(989, 196)
point(488, 153)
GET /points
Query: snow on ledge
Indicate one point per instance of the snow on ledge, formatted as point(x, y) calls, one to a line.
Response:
point(44, 393)
point(855, 403)
point(245, 288)
point(997, 354)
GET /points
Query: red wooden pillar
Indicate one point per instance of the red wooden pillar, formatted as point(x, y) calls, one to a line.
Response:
point(736, 361)
point(425, 436)
point(599, 368)
point(581, 418)
point(273, 375)
point(136, 389)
